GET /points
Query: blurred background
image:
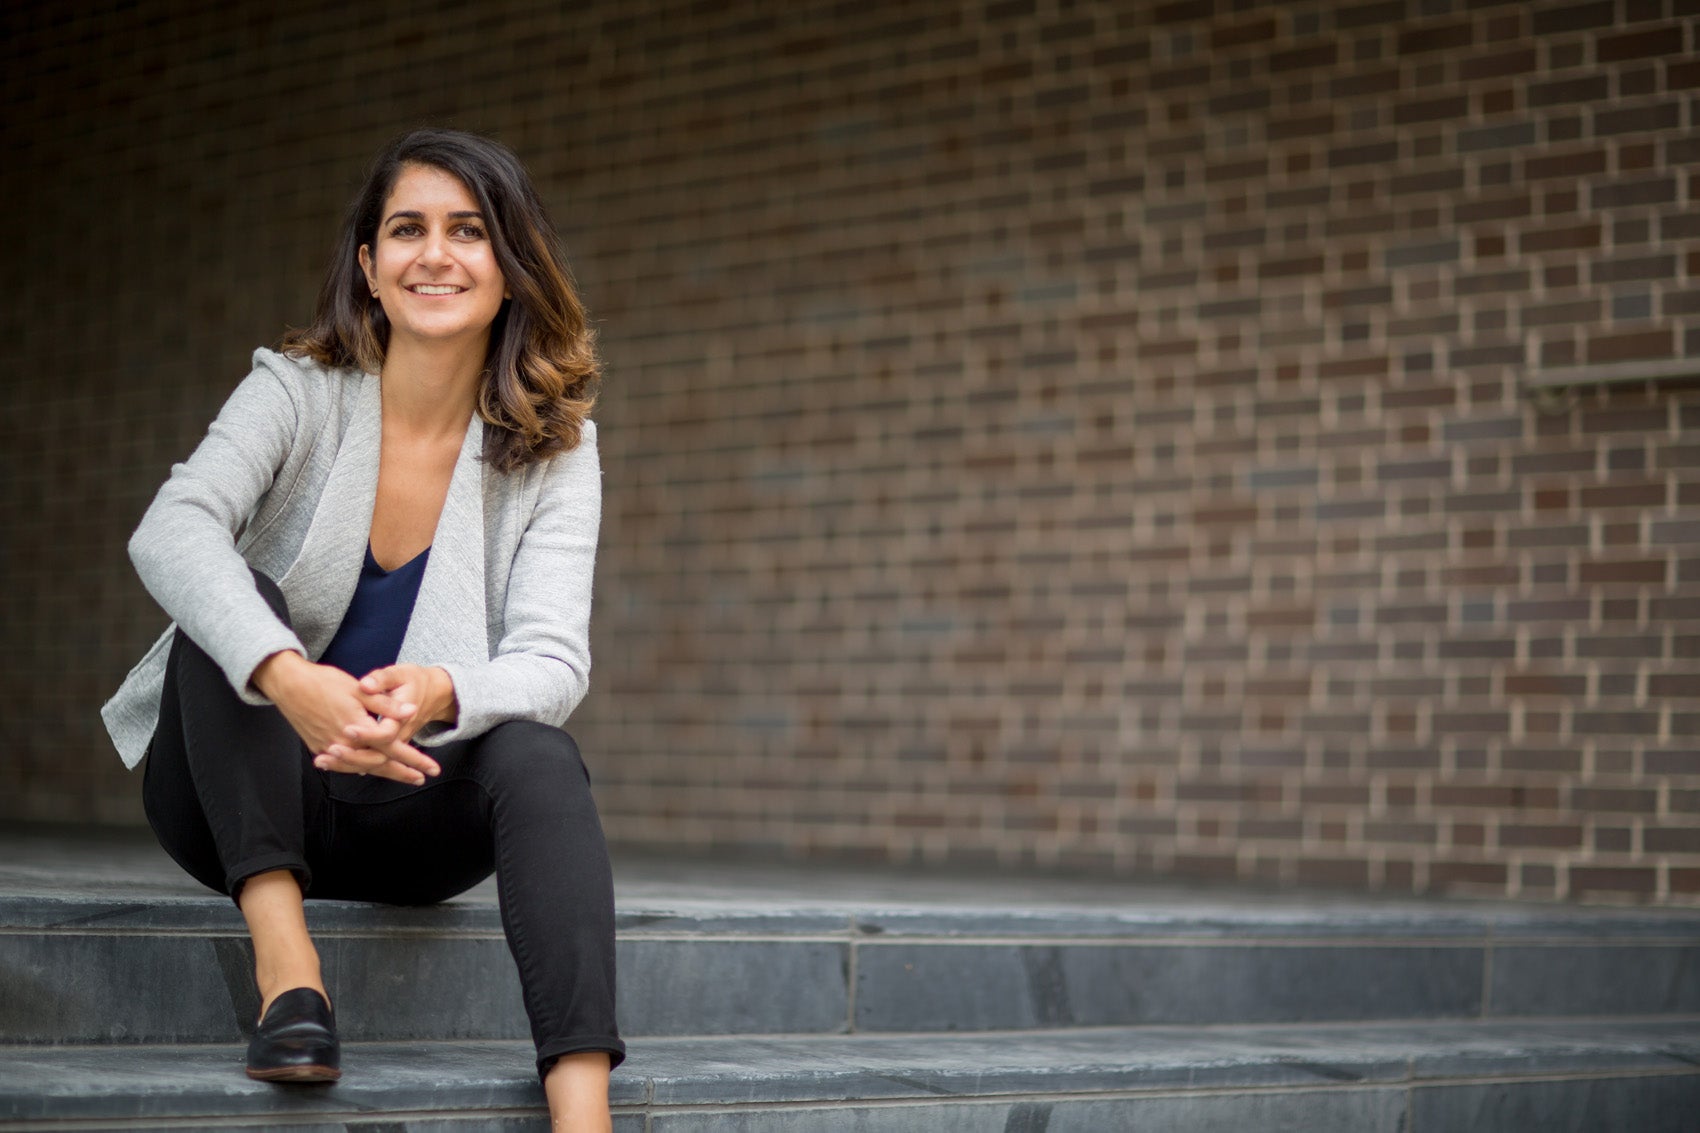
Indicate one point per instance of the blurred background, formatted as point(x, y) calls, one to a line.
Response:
point(1213, 439)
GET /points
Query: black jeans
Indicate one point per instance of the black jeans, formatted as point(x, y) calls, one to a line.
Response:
point(231, 791)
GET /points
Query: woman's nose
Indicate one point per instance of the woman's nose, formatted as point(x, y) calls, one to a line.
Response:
point(436, 249)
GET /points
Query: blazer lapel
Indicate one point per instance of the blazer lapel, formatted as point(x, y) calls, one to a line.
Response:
point(449, 622)
point(320, 583)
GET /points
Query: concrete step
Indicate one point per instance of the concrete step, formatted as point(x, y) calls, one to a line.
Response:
point(83, 967)
point(1450, 1077)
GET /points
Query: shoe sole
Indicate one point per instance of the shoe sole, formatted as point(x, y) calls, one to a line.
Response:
point(296, 1074)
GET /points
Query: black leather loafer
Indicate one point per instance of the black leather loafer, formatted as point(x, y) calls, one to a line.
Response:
point(296, 1040)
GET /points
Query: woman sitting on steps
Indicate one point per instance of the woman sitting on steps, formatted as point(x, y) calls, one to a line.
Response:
point(378, 563)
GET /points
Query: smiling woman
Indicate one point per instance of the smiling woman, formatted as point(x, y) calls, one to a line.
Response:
point(378, 564)
point(541, 364)
point(432, 269)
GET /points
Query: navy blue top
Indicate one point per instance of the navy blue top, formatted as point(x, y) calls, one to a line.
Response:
point(371, 631)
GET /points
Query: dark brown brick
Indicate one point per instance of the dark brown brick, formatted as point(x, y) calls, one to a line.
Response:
point(1495, 282)
point(1258, 30)
point(1650, 494)
point(1446, 875)
point(1312, 125)
point(1206, 865)
point(1672, 762)
point(1577, 163)
point(1574, 17)
point(1631, 647)
point(1309, 58)
point(1627, 269)
point(1318, 794)
point(1183, 11)
point(1454, 723)
point(1175, 78)
point(1242, 100)
point(1664, 685)
point(1666, 40)
point(1634, 119)
point(1679, 76)
point(1291, 266)
point(1366, 84)
point(1115, 54)
point(1671, 839)
point(1561, 314)
point(1605, 879)
point(1542, 759)
point(1320, 871)
point(1369, 15)
point(1559, 836)
point(1493, 208)
point(1442, 37)
point(1626, 420)
point(1558, 92)
point(1499, 65)
point(1545, 684)
point(1629, 346)
point(1500, 135)
point(1619, 800)
point(1607, 723)
point(1560, 238)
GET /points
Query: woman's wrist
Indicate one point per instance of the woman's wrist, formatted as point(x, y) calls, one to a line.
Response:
point(445, 708)
point(271, 675)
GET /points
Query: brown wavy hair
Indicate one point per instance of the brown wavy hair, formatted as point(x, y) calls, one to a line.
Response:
point(541, 373)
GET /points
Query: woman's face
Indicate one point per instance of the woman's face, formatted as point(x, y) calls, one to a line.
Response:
point(431, 264)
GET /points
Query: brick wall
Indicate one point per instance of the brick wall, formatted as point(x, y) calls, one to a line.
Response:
point(1082, 435)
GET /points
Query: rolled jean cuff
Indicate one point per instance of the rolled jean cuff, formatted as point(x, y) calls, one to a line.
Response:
point(548, 1053)
point(243, 870)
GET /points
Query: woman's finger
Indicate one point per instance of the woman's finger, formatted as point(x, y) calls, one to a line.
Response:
point(389, 678)
point(373, 733)
point(409, 756)
point(379, 680)
point(356, 758)
point(364, 761)
point(381, 734)
point(396, 752)
point(394, 708)
point(328, 761)
point(393, 770)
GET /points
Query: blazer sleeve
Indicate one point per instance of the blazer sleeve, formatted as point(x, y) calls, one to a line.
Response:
point(185, 547)
point(541, 667)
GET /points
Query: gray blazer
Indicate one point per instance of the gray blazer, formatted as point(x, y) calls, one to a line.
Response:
point(285, 482)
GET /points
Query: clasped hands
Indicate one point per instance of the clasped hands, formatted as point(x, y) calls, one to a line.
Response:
point(359, 727)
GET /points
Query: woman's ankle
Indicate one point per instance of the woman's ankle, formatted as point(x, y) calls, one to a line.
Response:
point(275, 984)
point(284, 955)
point(577, 1089)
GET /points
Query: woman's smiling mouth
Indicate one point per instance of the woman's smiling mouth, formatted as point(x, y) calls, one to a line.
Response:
point(435, 289)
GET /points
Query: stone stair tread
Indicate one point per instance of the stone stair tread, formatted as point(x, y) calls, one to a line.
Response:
point(123, 874)
point(171, 1082)
point(754, 916)
point(84, 965)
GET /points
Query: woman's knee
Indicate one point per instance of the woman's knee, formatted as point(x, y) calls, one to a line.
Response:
point(525, 756)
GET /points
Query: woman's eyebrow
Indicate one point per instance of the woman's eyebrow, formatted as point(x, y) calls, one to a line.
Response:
point(415, 214)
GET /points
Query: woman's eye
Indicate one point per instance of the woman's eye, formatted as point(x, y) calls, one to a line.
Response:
point(470, 232)
point(405, 230)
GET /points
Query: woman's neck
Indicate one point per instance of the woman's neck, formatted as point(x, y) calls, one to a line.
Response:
point(431, 391)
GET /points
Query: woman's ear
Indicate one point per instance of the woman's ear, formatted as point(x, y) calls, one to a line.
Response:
point(366, 267)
